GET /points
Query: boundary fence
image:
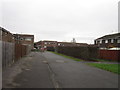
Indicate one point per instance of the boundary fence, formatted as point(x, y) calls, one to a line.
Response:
point(88, 53)
point(113, 55)
point(12, 52)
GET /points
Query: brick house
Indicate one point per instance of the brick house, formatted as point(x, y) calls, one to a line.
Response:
point(71, 44)
point(24, 39)
point(109, 47)
point(38, 44)
point(108, 41)
point(45, 44)
point(6, 36)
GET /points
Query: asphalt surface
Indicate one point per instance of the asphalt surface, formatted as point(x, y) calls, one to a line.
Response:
point(48, 70)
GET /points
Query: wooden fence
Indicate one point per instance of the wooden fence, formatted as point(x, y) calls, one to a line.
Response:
point(20, 51)
point(7, 54)
point(112, 55)
point(12, 52)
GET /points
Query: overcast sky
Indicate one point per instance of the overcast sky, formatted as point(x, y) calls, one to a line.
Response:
point(61, 20)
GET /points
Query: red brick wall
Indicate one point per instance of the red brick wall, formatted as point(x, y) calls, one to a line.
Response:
point(113, 55)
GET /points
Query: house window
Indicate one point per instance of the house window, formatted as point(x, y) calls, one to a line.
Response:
point(45, 43)
point(45, 46)
point(109, 40)
point(21, 39)
point(103, 41)
point(58, 44)
point(28, 39)
point(100, 41)
point(106, 41)
point(112, 40)
point(115, 41)
point(118, 41)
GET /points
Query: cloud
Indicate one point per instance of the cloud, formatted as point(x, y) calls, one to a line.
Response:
point(61, 19)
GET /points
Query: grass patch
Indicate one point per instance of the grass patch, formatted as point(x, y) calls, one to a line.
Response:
point(102, 60)
point(76, 59)
point(109, 67)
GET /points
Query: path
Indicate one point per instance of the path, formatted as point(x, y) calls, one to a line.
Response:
point(48, 70)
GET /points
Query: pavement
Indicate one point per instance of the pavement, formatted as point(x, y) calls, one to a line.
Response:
point(48, 70)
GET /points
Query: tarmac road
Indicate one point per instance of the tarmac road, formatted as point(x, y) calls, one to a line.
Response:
point(48, 70)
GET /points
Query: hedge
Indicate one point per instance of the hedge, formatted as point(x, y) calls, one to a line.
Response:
point(82, 52)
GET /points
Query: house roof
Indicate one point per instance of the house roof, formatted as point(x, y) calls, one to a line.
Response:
point(24, 35)
point(4, 30)
point(116, 35)
point(49, 41)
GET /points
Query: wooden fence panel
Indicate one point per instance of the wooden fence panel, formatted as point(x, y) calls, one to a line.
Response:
point(12, 52)
point(113, 55)
point(20, 51)
point(7, 54)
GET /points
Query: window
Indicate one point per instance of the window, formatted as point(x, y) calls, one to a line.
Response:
point(58, 44)
point(103, 41)
point(45, 43)
point(111, 40)
point(118, 41)
point(100, 41)
point(115, 41)
point(106, 41)
point(28, 39)
point(21, 38)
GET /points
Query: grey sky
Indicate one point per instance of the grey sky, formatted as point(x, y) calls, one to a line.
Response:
point(61, 20)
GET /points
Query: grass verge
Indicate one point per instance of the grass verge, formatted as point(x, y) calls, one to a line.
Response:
point(76, 59)
point(109, 67)
point(102, 60)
